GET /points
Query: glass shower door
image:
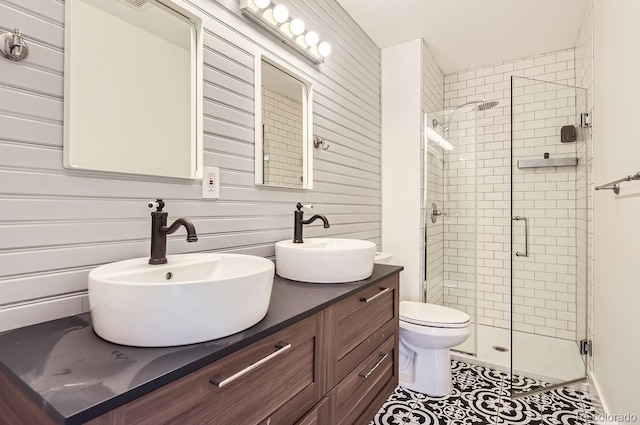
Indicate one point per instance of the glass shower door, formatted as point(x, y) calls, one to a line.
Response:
point(548, 233)
point(451, 213)
point(432, 213)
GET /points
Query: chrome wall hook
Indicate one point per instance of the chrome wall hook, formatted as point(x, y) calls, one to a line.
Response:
point(320, 142)
point(13, 46)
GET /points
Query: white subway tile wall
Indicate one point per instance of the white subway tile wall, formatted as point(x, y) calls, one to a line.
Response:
point(282, 120)
point(460, 202)
point(546, 282)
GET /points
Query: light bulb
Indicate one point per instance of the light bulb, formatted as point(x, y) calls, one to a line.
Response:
point(324, 49)
point(261, 4)
point(311, 38)
point(280, 13)
point(297, 26)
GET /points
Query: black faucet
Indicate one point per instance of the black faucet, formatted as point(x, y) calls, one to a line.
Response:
point(160, 230)
point(298, 222)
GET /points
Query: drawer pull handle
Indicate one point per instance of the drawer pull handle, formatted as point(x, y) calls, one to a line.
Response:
point(375, 366)
point(219, 382)
point(382, 291)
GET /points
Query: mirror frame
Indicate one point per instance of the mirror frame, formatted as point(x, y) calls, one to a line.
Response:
point(197, 54)
point(307, 122)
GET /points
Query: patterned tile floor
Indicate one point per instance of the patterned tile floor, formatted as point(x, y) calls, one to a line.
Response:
point(481, 396)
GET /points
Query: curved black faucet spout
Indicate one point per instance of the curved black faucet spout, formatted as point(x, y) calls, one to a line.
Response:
point(191, 230)
point(298, 222)
point(316, 217)
point(160, 230)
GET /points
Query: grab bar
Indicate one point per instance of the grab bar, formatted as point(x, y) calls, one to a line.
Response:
point(526, 236)
point(615, 185)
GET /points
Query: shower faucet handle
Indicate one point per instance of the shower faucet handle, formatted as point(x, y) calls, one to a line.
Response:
point(435, 212)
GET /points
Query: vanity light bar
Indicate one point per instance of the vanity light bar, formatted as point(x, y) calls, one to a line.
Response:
point(276, 20)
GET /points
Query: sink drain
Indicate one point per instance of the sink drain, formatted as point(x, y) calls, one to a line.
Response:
point(501, 349)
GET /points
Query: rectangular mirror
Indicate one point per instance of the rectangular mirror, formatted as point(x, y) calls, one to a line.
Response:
point(133, 88)
point(283, 126)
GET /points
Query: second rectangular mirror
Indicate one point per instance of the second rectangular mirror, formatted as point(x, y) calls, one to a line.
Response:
point(283, 126)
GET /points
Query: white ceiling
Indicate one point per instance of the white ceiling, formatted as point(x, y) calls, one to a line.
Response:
point(465, 34)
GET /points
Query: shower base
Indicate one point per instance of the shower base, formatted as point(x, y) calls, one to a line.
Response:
point(545, 358)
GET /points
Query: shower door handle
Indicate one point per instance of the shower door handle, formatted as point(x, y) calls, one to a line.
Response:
point(526, 236)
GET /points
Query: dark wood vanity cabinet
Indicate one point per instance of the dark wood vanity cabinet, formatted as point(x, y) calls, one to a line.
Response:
point(360, 346)
point(359, 324)
point(339, 368)
point(363, 358)
point(275, 380)
point(336, 367)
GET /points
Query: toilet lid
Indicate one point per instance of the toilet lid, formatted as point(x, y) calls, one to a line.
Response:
point(432, 315)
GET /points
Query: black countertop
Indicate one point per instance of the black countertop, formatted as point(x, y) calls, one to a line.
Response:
point(76, 376)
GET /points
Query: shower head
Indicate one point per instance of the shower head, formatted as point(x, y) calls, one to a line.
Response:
point(483, 105)
point(136, 4)
point(487, 105)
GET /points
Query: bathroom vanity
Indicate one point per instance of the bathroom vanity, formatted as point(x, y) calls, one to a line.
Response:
point(324, 354)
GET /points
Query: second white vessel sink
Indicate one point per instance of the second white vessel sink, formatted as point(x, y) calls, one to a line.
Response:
point(193, 298)
point(325, 260)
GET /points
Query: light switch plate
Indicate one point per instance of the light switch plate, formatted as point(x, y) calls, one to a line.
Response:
point(211, 182)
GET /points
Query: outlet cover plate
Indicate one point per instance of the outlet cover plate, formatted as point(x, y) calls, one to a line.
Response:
point(211, 182)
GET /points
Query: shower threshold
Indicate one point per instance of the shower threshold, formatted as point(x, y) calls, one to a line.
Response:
point(540, 357)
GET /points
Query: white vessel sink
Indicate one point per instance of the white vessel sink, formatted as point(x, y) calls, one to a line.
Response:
point(193, 298)
point(325, 260)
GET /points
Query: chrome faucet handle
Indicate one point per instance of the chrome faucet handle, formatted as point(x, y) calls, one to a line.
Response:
point(158, 204)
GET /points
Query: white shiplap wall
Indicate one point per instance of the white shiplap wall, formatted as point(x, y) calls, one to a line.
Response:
point(57, 224)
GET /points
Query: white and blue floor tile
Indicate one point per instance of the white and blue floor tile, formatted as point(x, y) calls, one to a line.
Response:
point(481, 396)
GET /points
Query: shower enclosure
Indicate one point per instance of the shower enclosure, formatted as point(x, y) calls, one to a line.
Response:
point(506, 227)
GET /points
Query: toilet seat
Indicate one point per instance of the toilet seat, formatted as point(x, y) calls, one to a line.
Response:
point(432, 315)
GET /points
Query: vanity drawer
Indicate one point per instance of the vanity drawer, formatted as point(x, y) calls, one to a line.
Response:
point(361, 388)
point(363, 322)
point(283, 372)
point(322, 413)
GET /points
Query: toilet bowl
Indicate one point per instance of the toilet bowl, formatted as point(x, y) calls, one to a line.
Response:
point(427, 331)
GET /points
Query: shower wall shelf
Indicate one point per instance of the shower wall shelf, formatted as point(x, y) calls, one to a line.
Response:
point(547, 162)
point(615, 185)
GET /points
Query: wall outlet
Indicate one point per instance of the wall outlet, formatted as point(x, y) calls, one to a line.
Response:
point(211, 183)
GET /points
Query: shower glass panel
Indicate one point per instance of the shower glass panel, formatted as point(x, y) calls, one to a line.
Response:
point(450, 213)
point(549, 232)
point(433, 155)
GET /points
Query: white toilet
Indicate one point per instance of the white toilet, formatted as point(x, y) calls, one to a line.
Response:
point(427, 331)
